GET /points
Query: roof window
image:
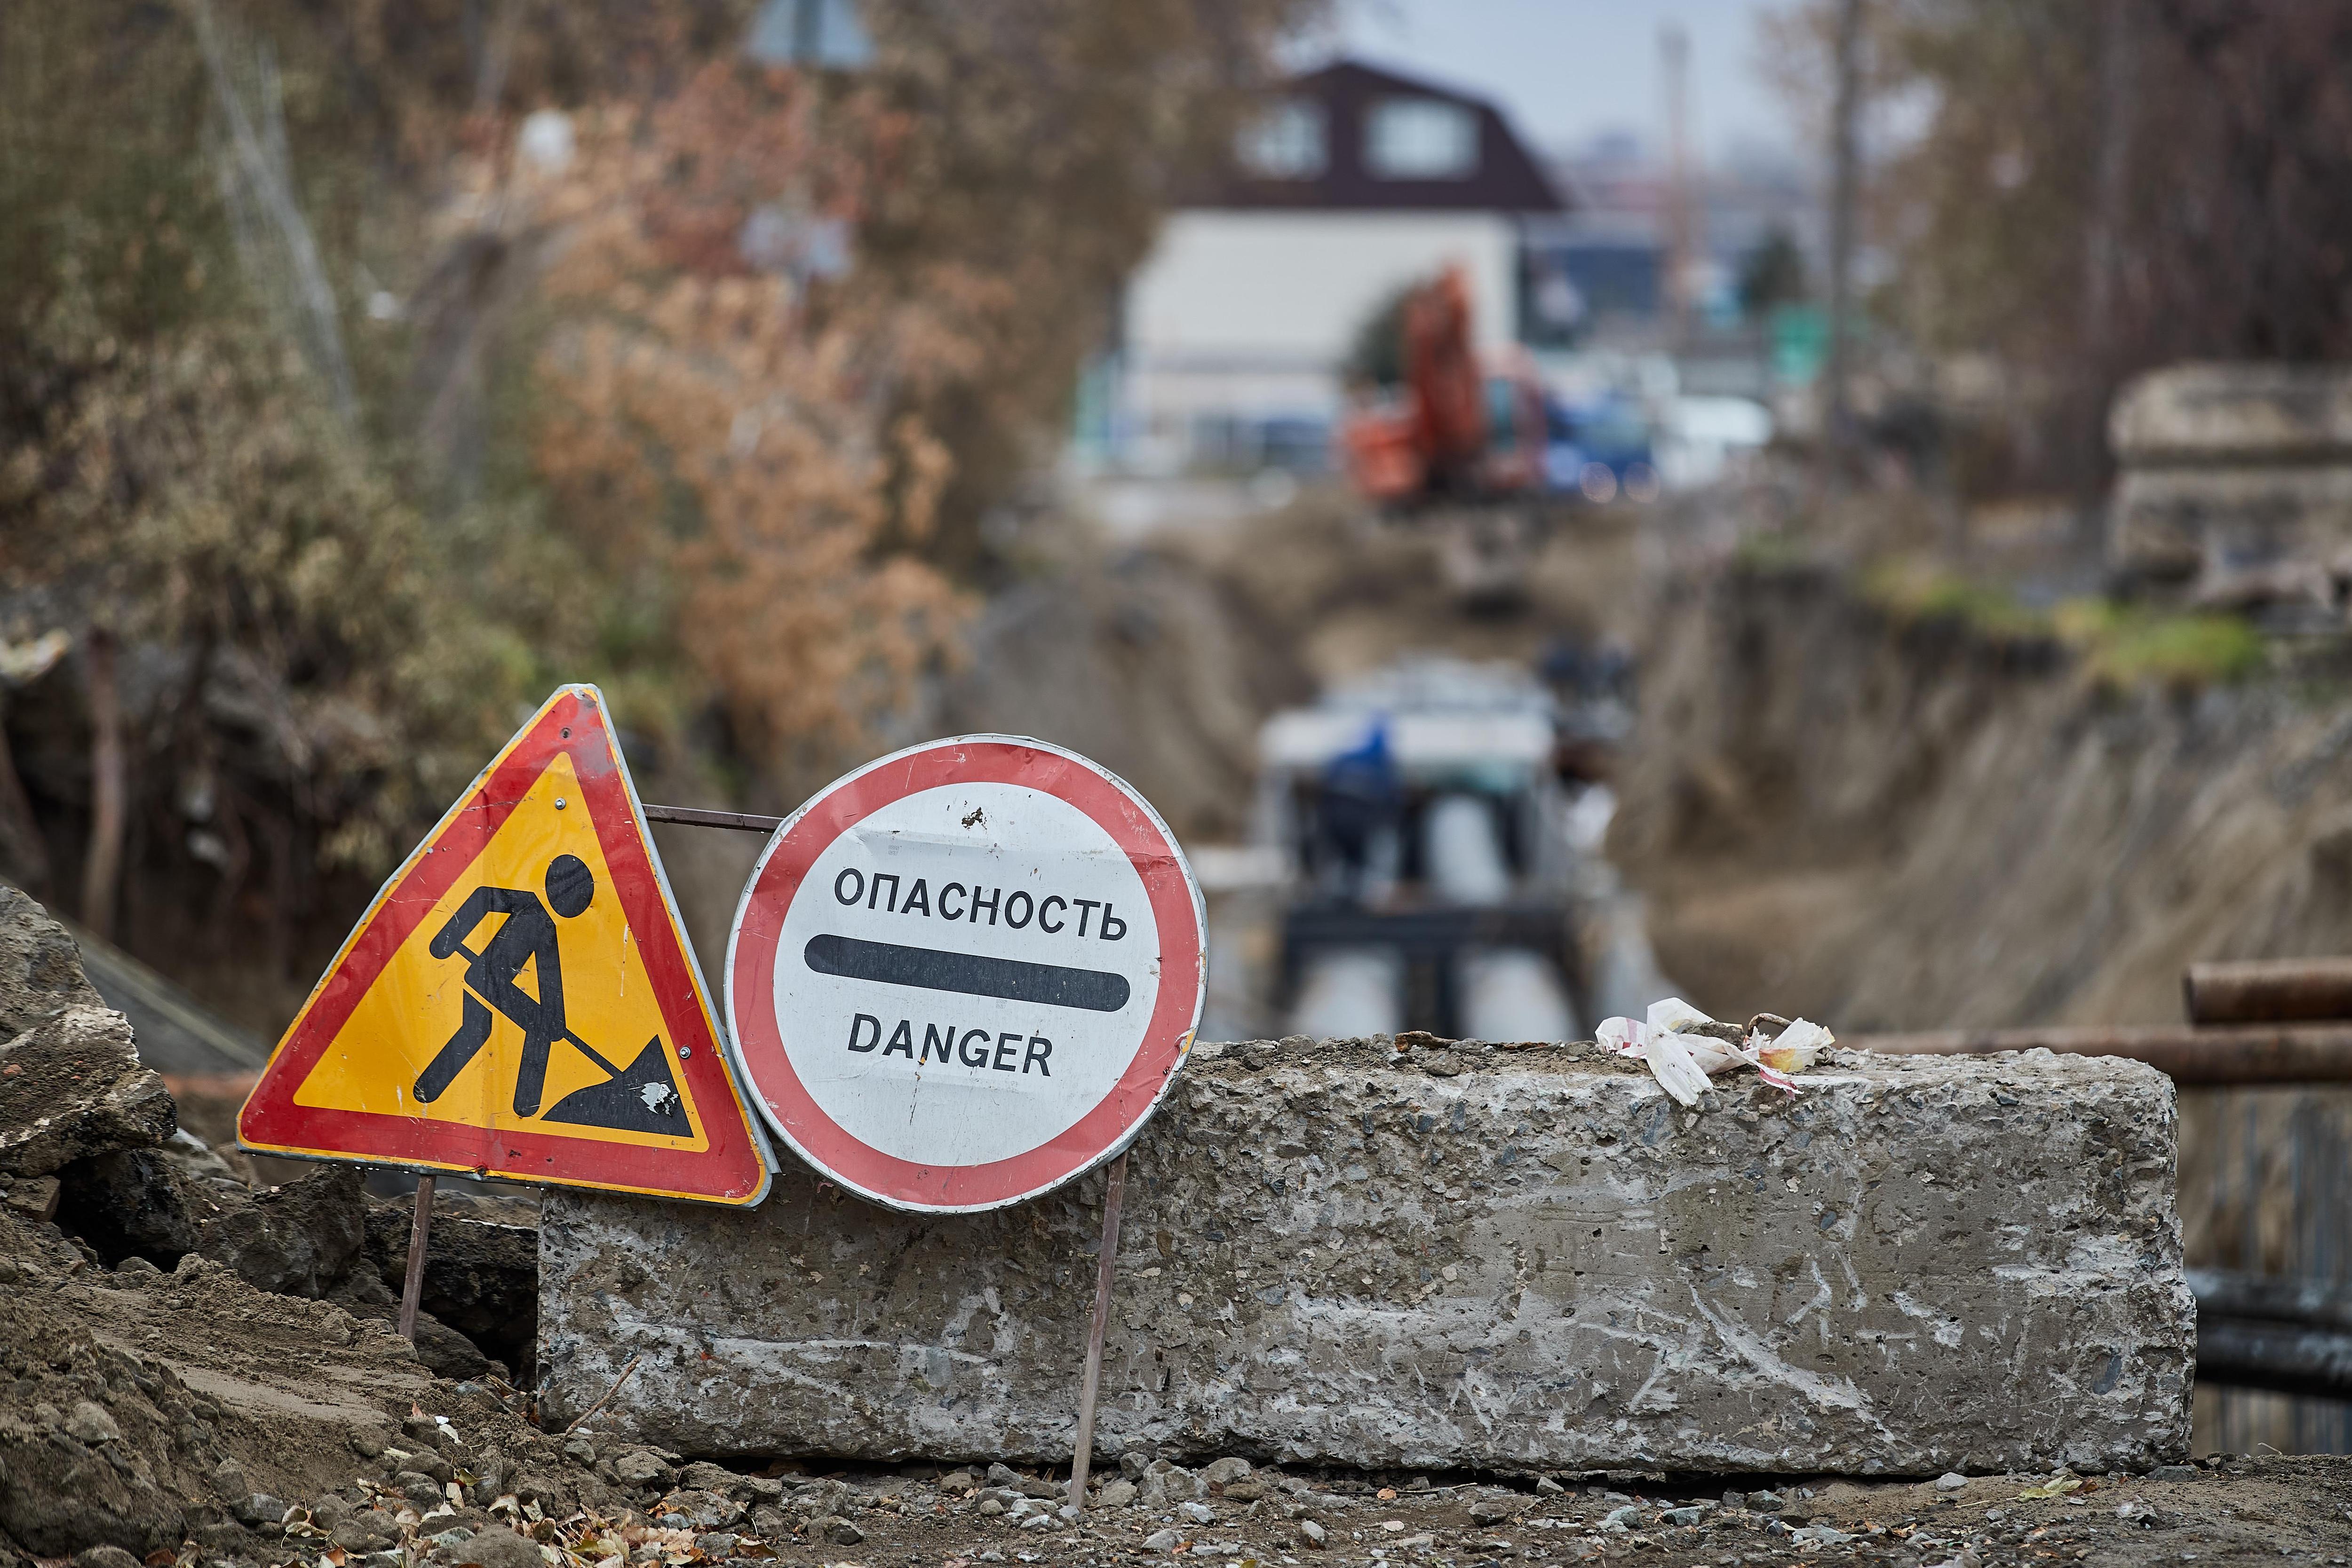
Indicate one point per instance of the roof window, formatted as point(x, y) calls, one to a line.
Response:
point(1287, 141)
point(1420, 139)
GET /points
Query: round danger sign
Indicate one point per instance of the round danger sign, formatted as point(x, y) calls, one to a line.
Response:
point(966, 973)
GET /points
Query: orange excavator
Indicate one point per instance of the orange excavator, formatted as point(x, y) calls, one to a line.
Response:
point(1454, 430)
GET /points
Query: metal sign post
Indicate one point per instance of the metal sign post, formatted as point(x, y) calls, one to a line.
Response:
point(413, 1286)
point(1113, 1190)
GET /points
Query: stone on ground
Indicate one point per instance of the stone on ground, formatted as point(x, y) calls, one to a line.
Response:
point(1457, 1258)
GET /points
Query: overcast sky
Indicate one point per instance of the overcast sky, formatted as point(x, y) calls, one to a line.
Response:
point(1564, 71)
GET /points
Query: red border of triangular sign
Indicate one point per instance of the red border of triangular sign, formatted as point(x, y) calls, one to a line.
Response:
point(734, 1168)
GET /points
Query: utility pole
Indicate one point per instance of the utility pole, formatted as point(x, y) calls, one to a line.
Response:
point(1845, 182)
point(1674, 51)
point(2102, 246)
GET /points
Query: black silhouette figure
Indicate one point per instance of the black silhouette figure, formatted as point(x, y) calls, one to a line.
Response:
point(643, 1097)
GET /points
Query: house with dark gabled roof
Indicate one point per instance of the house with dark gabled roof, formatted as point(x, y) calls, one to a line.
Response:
point(1349, 183)
point(1353, 138)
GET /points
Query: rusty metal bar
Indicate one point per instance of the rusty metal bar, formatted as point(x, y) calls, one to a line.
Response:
point(607, 1399)
point(2268, 990)
point(1113, 1189)
point(2234, 1054)
point(413, 1286)
point(694, 817)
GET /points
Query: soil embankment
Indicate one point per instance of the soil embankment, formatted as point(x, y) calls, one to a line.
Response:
point(1899, 822)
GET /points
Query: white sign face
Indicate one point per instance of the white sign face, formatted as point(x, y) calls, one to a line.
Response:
point(966, 973)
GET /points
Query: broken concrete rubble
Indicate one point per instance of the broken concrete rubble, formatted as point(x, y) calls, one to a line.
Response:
point(71, 1084)
point(88, 1139)
point(301, 1238)
point(40, 967)
point(133, 1203)
point(1457, 1256)
point(70, 1088)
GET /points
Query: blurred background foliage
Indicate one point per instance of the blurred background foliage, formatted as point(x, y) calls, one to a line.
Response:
point(2071, 195)
point(370, 366)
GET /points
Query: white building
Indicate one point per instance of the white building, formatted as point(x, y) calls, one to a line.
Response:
point(1351, 185)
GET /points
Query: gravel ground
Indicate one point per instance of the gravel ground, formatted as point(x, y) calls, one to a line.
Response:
point(186, 1420)
point(2235, 1511)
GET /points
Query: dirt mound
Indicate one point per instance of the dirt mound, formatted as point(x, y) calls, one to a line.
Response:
point(190, 1368)
point(112, 1431)
point(186, 1414)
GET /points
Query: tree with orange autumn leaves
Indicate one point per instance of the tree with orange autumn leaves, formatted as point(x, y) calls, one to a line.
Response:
point(721, 424)
point(791, 451)
point(340, 417)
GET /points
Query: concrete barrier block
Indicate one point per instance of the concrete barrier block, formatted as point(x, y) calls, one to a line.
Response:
point(1457, 1256)
point(2180, 521)
point(2217, 411)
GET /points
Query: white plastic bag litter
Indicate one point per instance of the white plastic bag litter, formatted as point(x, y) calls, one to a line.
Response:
point(1682, 1061)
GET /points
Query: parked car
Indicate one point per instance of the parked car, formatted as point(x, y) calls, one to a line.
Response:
point(1599, 450)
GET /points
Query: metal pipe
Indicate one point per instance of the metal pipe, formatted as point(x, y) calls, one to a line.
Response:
point(2268, 990)
point(2310, 1304)
point(1113, 1188)
point(2250, 1353)
point(693, 817)
point(2236, 1054)
point(413, 1286)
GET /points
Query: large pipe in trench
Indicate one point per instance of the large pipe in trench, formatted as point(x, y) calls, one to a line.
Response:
point(2268, 990)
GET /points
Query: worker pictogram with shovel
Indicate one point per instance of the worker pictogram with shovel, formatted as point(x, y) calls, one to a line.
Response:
point(641, 1097)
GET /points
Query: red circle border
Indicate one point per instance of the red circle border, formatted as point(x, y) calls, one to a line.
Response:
point(1102, 1132)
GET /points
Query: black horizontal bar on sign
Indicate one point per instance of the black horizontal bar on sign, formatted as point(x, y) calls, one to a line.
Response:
point(694, 817)
point(1095, 990)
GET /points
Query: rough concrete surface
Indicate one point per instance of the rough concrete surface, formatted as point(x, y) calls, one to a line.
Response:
point(1469, 1257)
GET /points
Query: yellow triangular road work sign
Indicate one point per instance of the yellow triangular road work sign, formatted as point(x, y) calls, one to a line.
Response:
point(520, 1000)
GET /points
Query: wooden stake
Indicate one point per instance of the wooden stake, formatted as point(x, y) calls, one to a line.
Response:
point(1113, 1190)
point(414, 1286)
